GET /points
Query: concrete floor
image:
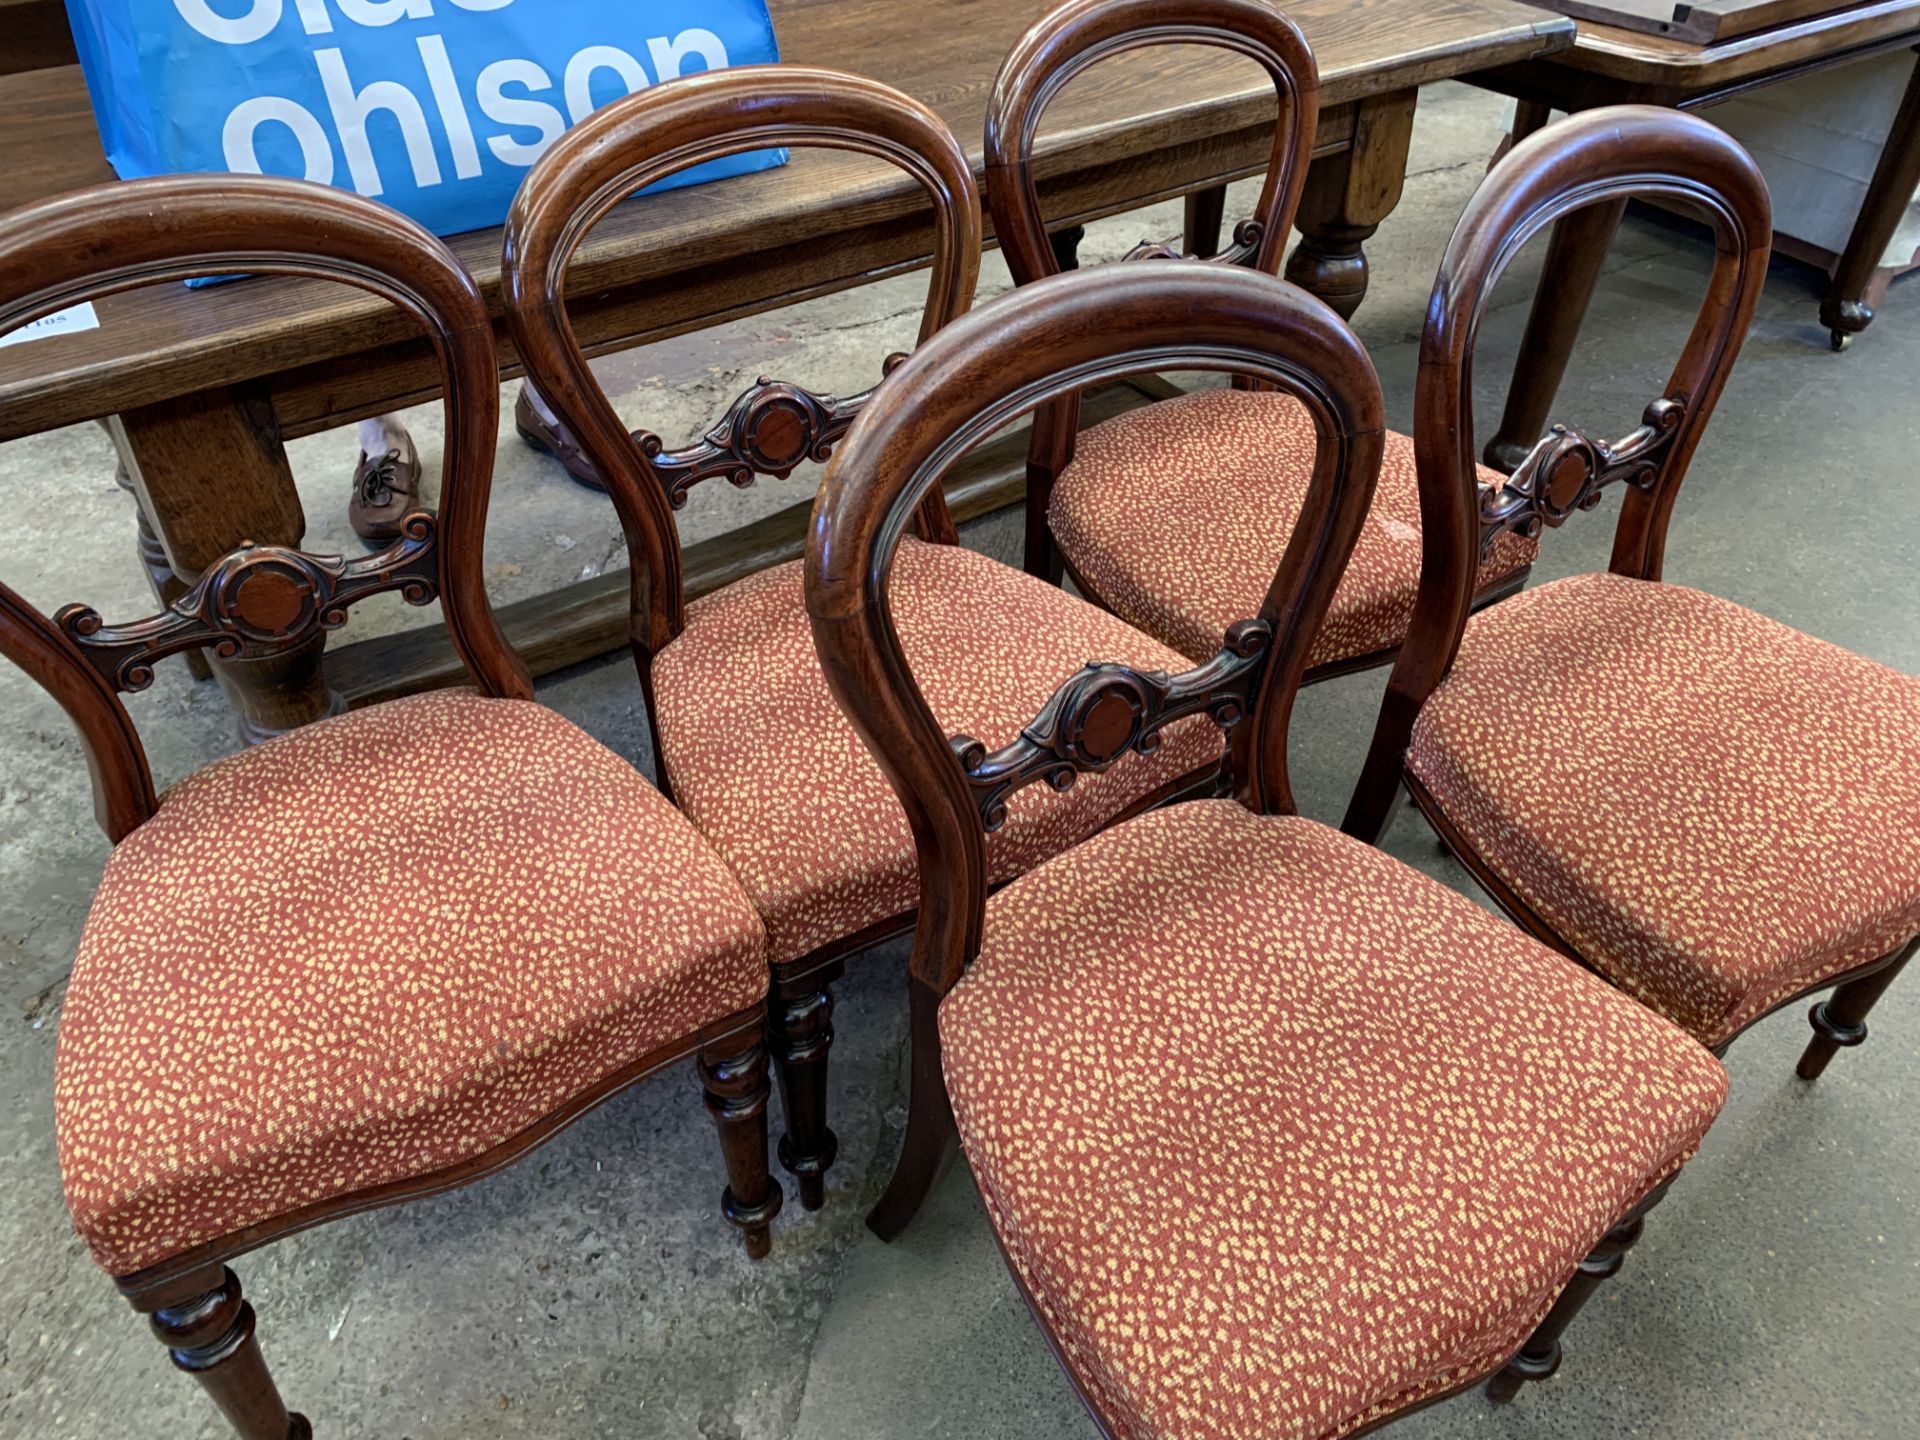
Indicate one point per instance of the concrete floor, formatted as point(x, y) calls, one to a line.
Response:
point(592, 1290)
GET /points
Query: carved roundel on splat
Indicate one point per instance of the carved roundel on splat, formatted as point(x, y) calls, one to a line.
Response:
point(1105, 721)
point(264, 596)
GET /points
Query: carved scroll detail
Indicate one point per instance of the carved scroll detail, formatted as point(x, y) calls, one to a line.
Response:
point(1246, 241)
point(1107, 711)
point(263, 595)
point(1567, 472)
point(770, 430)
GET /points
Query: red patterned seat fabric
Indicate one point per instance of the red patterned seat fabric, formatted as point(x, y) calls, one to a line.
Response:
point(1176, 515)
point(763, 762)
point(1714, 810)
point(370, 949)
point(1282, 1136)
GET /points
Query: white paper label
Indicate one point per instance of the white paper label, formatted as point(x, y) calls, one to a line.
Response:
point(62, 322)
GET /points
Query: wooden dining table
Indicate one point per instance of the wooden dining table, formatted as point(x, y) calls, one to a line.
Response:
point(201, 388)
point(1690, 56)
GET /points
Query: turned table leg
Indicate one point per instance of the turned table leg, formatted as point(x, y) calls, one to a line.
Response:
point(1575, 255)
point(1206, 216)
point(1347, 196)
point(209, 472)
point(1845, 311)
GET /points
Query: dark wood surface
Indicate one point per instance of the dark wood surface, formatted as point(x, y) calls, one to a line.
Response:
point(1707, 22)
point(1608, 65)
point(34, 35)
point(1147, 127)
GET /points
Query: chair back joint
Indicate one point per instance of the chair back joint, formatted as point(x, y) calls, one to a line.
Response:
point(257, 597)
point(1107, 711)
point(1568, 472)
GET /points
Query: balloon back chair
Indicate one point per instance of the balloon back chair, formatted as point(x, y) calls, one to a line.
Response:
point(1279, 1137)
point(1174, 515)
point(385, 954)
point(1713, 811)
point(742, 720)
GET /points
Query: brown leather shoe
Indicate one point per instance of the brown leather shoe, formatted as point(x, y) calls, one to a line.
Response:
point(550, 437)
point(385, 489)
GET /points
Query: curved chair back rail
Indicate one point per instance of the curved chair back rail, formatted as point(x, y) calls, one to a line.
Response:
point(1066, 43)
point(1012, 355)
point(1601, 157)
point(658, 133)
point(1082, 33)
point(97, 241)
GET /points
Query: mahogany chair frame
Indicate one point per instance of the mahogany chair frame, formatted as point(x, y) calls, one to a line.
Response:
point(1064, 44)
point(1015, 355)
point(263, 601)
point(770, 429)
point(1588, 167)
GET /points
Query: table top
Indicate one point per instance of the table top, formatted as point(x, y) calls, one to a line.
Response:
point(666, 263)
point(1634, 58)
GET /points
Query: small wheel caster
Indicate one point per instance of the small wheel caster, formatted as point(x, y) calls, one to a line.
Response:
point(1839, 340)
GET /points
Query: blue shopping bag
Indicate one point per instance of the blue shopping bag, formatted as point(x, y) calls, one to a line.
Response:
point(436, 107)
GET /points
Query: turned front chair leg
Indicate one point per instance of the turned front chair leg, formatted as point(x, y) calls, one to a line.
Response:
point(1540, 1356)
point(801, 1022)
point(733, 1074)
point(1840, 1020)
point(207, 1327)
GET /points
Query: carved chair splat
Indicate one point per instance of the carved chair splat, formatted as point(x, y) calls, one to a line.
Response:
point(1784, 727)
point(176, 1156)
point(1176, 975)
point(733, 693)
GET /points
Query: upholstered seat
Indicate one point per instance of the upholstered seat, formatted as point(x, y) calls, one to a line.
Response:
point(1716, 811)
point(371, 949)
point(1280, 1135)
point(1176, 515)
point(764, 764)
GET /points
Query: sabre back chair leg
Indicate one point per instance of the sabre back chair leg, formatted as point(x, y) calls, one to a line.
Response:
point(1840, 1020)
point(733, 1073)
point(208, 1329)
point(1540, 1356)
point(801, 1023)
point(931, 1141)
